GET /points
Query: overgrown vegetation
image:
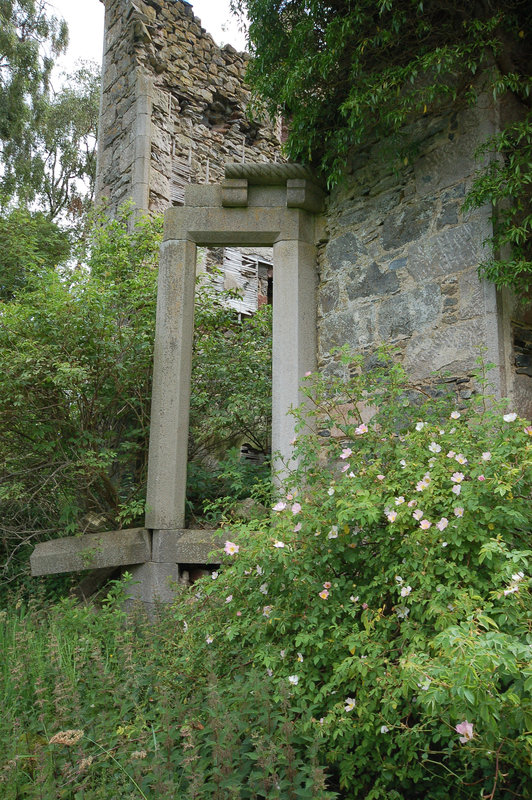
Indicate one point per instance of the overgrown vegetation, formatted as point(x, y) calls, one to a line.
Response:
point(76, 344)
point(347, 72)
point(370, 640)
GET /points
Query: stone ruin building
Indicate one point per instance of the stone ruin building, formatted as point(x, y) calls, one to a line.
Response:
point(387, 256)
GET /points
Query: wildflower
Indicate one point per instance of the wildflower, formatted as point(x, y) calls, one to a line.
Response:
point(457, 477)
point(385, 729)
point(266, 611)
point(405, 591)
point(444, 544)
point(280, 506)
point(278, 544)
point(434, 447)
point(85, 763)
point(425, 524)
point(486, 456)
point(432, 461)
point(403, 463)
point(346, 452)
point(327, 585)
point(518, 576)
point(425, 684)
point(352, 474)
point(269, 672)
point(442, 524)
point(402, 612)
point(417, 514)
point(350, 703)
point(380, 477)
point(511, 589)
point(297, 527)
point(209, 639)
point(460, 458)
point(263, 589)
point(391, 516)
point(399, 579)
point(296, 508)
point(420, 426)
point(324, 594)
point(330, 491)
point(300, 657)
point(451, 454)
point(282, 653)
point(528, 430)
point(412, 503)
point(231, 548)
point(138, 755)
point(308, 373)
point(333, 533)
point(455, 415)
point(354, 599)
point(68, 738)
point(481, 477)
point(399, 500)
point(466, 729)
point(459, 511)
point(346, 467)
point(294, 679)
point(228, 598)
point(365, 606)
point(420, 485)
point(456, 488)
point(214, 575)
point(510, 417)
point(259, 570)
point(361, 429)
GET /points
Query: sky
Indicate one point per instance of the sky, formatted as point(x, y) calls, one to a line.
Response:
point(85, 22)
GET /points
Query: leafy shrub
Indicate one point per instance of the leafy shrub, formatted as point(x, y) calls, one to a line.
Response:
point(388, 596)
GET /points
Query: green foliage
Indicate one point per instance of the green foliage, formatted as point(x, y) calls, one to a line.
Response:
point(345, 73)
point(90, 711)
point(75, 390)
point(389, 596)
point(67, 144)
point(32, 246)
point(29, 40)
point(346, 649)
point(506, 183)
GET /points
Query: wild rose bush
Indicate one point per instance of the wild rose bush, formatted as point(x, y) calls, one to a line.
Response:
point(387, 597)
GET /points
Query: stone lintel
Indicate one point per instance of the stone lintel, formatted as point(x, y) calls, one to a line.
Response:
point(253, 226)
point(187, 546)
point(91, 551)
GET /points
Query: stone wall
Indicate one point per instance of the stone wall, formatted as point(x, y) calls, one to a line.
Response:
point(401, 262)
point(174, 106)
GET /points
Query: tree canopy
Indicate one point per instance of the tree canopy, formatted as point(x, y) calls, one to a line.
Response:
point(30, 38)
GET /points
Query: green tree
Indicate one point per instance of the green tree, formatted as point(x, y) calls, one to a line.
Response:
point(32, 246)
point(29, 40)
point(344, 72)
point(67, 144)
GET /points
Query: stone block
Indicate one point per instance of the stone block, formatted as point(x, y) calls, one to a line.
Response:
point(452, 250)
point(407, 224)
point(92, 551)
point(235, 193)
point(153, 582)
point(366, 280)
point(187, 546)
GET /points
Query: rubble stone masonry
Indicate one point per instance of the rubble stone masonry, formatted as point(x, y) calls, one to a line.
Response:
point(174, 106)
